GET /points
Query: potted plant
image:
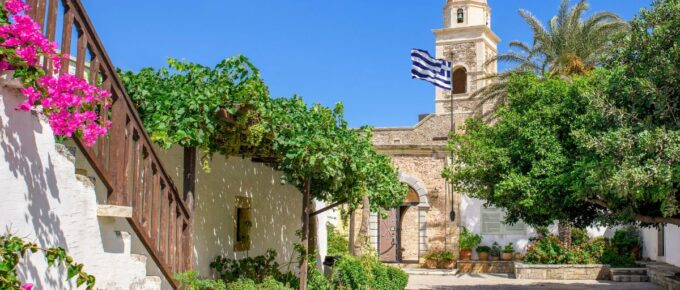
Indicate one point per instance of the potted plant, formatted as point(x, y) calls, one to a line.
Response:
point(483, 252)
point(495, 252)
point(508, 250)
point(468, 241)
point(432, 259)
point(447, 260)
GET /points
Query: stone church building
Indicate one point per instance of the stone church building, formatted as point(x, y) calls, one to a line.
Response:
point(431, 216)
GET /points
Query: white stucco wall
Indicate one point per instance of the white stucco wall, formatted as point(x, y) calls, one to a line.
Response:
point(672, 244)
point(44, 201)
point(276, 208)
point(470, 209)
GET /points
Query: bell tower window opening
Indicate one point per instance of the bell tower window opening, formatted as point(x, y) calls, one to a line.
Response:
point(460, 81)
point(461, 15)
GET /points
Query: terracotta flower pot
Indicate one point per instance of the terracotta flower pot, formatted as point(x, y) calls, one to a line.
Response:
point(483, 256)
point(518, 256)
point(430, 264)
point(448, 264)
point(465, 254)
point(495, 258)
point(506, 256)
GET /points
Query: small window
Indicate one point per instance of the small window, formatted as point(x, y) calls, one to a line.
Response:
point(243, 224)
point(460, 81)
point(461, 16)
point(493, 223)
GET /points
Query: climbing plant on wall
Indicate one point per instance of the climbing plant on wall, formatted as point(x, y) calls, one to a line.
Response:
point(13, 249)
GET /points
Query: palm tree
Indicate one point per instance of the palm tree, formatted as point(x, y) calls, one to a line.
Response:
point(571, 44)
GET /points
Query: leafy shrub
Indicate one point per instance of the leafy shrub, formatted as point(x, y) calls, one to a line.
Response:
point(625, 240)
point(579, 236)
point(433, 256)
point(268, 283)
point(446, 256)
point(612, 258)
point(366, 273)
point(468, 240)
point(191, 281)
point(495, 250)
point(483, 249)
point(509, 248)
point(257, 269)
point(337, 243)
point(550, 250)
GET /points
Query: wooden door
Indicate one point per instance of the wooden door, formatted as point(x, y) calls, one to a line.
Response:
point(388, 240)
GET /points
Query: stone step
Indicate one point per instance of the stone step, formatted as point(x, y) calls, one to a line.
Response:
point(628, 271)
point(148, 283)
point(630, 278)
point(430, 272)
point(126, 239)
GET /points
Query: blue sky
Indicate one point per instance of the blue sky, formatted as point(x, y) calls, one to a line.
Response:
point(350, 51)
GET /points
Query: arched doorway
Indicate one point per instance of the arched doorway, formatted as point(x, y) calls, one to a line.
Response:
point(401, 235)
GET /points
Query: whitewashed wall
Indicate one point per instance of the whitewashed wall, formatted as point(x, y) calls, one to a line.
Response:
point(672, 244)
point(44, 202)
point(470, 210)
point(276, 208)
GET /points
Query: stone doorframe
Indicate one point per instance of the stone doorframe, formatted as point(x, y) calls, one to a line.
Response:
point(423, 206)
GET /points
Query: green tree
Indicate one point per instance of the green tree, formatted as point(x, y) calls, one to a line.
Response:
point(524, 162)
point(570, 44)
point(632, 165)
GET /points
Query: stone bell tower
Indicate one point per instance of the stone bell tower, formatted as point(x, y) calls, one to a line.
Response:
point(467, 42)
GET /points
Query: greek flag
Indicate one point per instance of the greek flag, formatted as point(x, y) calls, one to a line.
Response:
point(428, 68)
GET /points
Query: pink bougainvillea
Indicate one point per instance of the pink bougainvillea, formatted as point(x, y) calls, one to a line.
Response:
point(71, 104)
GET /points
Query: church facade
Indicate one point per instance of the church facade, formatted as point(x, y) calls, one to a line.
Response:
point(432, 215)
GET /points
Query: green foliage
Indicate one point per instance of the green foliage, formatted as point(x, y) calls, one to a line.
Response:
point(579, 236)
point(268, 283)
point(337, 243)
point(509, 248)
point(483, 249)
point(625, 240)
point(612, 258)
point(13, 250)
point(440, 256)
point(632, 163)
point(367, 273)
point(495, 250)
point(256, 269)
point(468, 240)
point(550, 250)
point(191, 281)
point(570, 44)
point(524, 163)
point(180, 104)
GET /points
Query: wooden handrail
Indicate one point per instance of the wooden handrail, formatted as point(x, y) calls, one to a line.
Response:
point(125, 160)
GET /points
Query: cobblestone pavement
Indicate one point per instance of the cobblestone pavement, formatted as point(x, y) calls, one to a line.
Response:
point(488, 281)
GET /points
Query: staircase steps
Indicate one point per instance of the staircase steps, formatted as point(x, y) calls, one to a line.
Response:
point(629, 274)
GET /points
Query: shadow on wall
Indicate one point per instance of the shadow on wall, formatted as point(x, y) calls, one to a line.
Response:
point(18, 131)
point(275, 212)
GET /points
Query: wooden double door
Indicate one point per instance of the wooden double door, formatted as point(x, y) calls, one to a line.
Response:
point(389, 245)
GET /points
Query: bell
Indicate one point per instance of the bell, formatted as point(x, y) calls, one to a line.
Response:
point(452, 216)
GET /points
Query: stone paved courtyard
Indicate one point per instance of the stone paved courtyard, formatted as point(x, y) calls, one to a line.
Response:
point(485, 281)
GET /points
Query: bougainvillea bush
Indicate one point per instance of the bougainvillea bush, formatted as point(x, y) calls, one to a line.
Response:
point(72, 106)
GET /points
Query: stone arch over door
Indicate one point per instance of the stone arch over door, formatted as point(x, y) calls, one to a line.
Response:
point(423, 206)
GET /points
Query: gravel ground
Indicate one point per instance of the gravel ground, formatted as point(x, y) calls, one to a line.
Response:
point(487, 281)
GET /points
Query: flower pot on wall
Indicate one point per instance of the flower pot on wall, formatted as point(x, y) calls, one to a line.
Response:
point(495, 258)
point(448, 264)
point(507, 256)
point(483, 256)
point(518, 256)
point(430, 264)
point(465, 255)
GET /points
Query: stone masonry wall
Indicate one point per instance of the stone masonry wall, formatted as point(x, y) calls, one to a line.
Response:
point(561, 272)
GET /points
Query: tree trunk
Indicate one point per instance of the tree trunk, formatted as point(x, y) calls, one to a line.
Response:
point(313, 227)
point(362, 237)
point(304, 236)
point(351, 239)
point(564, 232)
